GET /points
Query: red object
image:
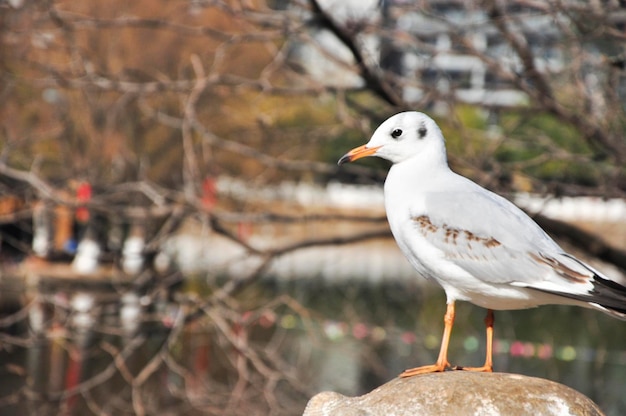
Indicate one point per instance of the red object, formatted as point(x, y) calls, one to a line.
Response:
point(72, 378)
point(83, 192)
point(83, 195)
point(209, 193)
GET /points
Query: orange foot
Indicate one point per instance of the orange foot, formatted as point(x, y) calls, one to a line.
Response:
point(435, 368)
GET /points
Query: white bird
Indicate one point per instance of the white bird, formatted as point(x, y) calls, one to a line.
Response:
point(477, 245)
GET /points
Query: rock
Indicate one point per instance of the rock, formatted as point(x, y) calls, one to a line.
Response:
point(458, 393)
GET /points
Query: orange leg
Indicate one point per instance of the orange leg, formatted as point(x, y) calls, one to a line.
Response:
point(442, 361)
point(488, 367)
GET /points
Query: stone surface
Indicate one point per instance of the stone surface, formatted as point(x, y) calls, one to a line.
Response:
point(458, 393)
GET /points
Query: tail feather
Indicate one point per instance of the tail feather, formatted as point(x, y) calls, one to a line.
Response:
point(605, 295)
point(609, 294)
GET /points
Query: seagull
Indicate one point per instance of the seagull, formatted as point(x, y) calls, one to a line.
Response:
point(477, 245)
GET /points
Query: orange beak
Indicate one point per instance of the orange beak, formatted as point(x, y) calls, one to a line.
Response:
point(357, 153)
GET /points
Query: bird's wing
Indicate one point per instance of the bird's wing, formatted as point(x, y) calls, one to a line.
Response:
point(495, 241)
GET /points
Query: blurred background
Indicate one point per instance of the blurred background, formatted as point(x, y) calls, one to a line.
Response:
point(176, 237)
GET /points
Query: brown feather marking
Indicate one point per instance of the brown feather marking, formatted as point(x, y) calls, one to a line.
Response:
point(452, 234)
point(561, 269)
point(491, 242)
point(425, 224)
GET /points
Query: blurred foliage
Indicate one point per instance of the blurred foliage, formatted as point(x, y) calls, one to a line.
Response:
point(87, 85)
point(540, 146)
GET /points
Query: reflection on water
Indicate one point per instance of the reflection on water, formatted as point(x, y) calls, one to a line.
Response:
point(122, 352)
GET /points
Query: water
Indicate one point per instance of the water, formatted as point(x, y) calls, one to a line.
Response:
point(271, 348)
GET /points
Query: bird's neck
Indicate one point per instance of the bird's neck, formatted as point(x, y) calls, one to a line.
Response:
point(410, 180)
point(423, 168)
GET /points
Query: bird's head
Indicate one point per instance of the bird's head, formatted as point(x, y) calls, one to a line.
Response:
point(401, 137)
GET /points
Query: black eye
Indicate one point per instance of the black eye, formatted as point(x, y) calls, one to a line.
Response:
point(422, 132)
point(396, 133)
